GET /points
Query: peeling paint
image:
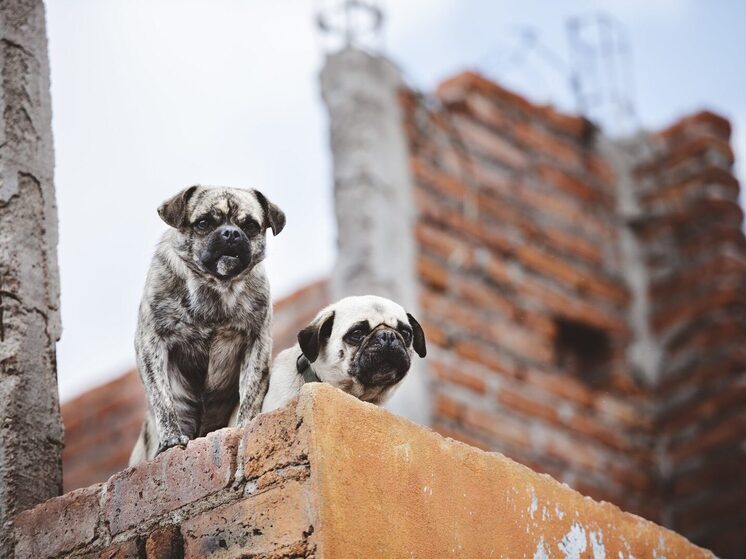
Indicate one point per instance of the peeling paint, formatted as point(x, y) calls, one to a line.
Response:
point(574, 542)
point(541, 551)
point(534, 505)
point(659, 552)
point(597, 545)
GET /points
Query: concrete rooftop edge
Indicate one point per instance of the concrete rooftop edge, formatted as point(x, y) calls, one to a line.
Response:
point(334, 477)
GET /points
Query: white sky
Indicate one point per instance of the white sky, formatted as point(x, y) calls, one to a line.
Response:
point(150, 96)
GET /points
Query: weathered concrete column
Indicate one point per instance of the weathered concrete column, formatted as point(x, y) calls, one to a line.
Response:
point(373, 195)
point(30, 428)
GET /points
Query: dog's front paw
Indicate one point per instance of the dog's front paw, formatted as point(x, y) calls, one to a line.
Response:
point(170, 442)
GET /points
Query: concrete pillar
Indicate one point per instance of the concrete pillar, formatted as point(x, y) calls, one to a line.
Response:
point(644, 353)
point(31, 435)
point(373, 196)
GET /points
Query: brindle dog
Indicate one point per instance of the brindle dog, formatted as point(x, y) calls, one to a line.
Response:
point(203, 336)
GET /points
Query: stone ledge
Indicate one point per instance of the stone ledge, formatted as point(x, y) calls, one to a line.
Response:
point(333, 477)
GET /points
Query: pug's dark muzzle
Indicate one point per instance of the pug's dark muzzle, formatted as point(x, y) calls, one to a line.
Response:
point(227, 252)
point(382, 359)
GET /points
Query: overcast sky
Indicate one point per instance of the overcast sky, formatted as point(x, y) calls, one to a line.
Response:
point(150, 96)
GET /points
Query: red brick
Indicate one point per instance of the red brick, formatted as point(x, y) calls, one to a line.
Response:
point(444, 244)
point(490, 144)
point(273, 440)
point(595, 428)
point(686, 279)
point(480, 324)
point(687, 311)
point(448, 407)
point(432, 273)
point(573, 245)
point(456, 376)
point(458, 87)
point(532, 255)
point(687, 152)
point(695, 186)
point(545, 144)
point(696, 124)
point(485, 355)
point(174, 479)
point(562, 385)
point(500, 427)
point(437, 179)
point(518, 401)
point(713, 510)
point(573, 452)
point(58, 525)
point(573, 185)
point(460, 436)
point(164, 543)
point(712, 473)
point(434, 334)
point(481, 108)
point(703, 406)
point(274, 523)
point(127, 550)
point(575, 308)
point(729, 430)
point(561, 270)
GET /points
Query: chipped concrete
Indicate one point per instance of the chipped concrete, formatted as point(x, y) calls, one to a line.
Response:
point(573, 543)
point(449, 499)
point(324, 477)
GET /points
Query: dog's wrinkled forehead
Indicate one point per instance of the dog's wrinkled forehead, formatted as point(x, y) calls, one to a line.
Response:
point(234, 203)
point(376, 310)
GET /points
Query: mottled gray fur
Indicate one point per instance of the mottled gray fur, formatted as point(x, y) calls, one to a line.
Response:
point(203, 336)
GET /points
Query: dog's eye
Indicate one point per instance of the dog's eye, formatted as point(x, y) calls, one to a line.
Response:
point(355, 336)
point(250, 227)
point(406, 334)
point(202, 225)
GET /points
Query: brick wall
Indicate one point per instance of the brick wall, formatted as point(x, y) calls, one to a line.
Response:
point(102, 425)
point(520, 268)
point(294, 483)
point(530, 308)
point(696, 253)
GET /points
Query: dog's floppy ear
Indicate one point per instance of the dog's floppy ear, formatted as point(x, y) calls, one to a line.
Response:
point(174, 210)
point(315, 335)
point(418, 336)
point(274, 217)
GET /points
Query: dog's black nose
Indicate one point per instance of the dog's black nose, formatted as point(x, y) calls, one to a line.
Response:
point(387, 337)
point(231, 234)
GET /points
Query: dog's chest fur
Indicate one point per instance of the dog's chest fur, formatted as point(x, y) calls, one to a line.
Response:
point(206, 329)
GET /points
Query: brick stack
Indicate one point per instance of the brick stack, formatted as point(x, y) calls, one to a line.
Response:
point(218, 493)
point(520, 271)
point(696, 257)
point(528, 308)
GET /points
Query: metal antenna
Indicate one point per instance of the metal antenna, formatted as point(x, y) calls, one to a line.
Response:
point(350, 23)
point(522, 52)
point(601, 78)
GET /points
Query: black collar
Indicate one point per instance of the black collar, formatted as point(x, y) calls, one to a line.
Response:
point(303, 365)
